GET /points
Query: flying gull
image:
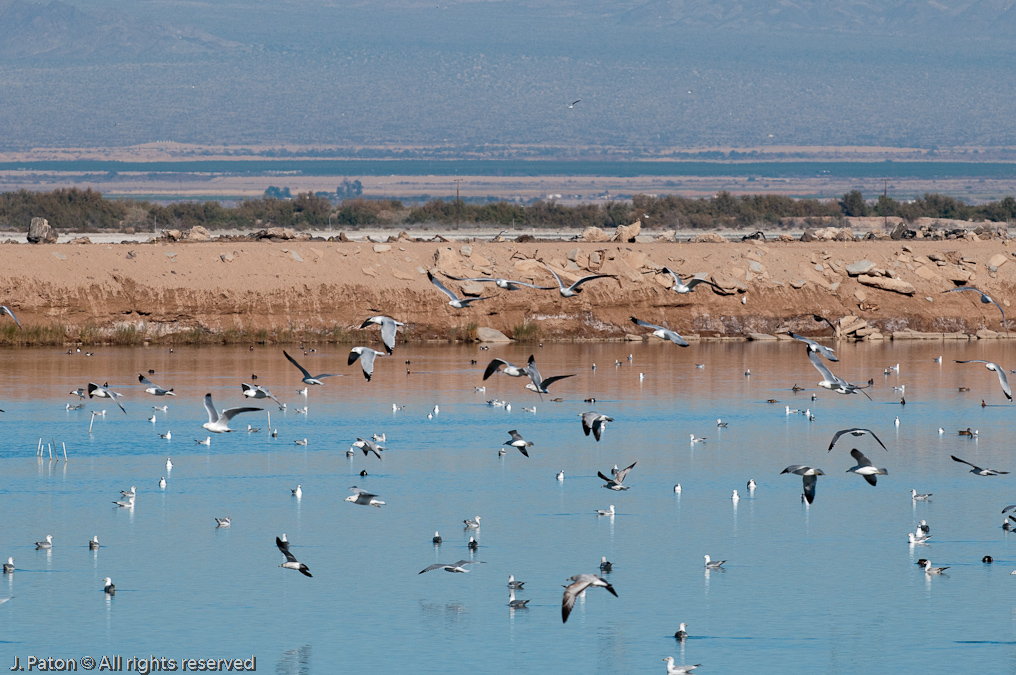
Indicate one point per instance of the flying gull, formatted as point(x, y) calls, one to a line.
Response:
point(574, 288)
point(291, 562)
point(516, 441)
point(857, 431)
point(366, 356)
point(219, 423)
point(104, 392)
point(615, 483)
point(865, 467)
point(455, 301)
point(594, 422)
point(1002, 380)
point(389, 326)
point(154, 389)
point(363, 498)
point(809, 477)
point(539, 384)
point(830, 381)
point(457, 567)
point(978, 470)
point(307, 377)
point(683, 288)
point(368, 447)
point(506, 284)
point(985, 298)
point(256, 391)
point(510, 370)
point(580, 582)
point(4, 309)
point(816, 347)
point(573, 103)
point(661, 332)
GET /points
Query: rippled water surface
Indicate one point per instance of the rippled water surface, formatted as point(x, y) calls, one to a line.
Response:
point(827, 588)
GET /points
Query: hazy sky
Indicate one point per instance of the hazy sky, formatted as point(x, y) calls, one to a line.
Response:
point(486, 76)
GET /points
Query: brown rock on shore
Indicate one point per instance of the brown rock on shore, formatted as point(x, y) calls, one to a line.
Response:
point(167, 288)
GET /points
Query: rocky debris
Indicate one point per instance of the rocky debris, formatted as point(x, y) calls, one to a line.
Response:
point(172, 235)
point(382, 248)
point(484, 334)
point(471, 289)
point(829, 234)
point(80, 240)
point(226, 257)
point(860, 267)
point(726, 285)
point(955, 274)
point(786, 237)
point(447, 261)
point(988, 334)
point(627, 233)
point(918, 335)
point(761, 336)
point(887, 284)
point(594, 234)
point(466, 250)
point(709, 238)
point(40, 232)
point(998, 260)
point(798, 283)
point(198, 233)
point(850, 324)
point(277, 233)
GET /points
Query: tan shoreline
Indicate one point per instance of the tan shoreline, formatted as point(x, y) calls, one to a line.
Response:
point(324, 290)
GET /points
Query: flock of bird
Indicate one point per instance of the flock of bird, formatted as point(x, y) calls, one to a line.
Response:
point(592, 422)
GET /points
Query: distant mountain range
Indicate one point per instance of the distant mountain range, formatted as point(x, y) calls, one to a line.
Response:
point(29, 29)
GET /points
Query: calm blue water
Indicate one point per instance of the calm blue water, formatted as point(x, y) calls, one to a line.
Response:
point(827, 588)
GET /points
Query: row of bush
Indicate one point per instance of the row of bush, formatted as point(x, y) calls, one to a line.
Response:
point(87, 210)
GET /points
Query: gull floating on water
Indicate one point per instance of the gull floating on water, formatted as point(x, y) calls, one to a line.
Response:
point(919, 497)
point(615, 482)
point(865, 467)
point(45, 544)
point(560, 475)
point(581, 582)
point(574, 288)
point(154, 389)
point(917, 539)
point(673, 669)
point(363, 498)
point(437, 538)
point(735, 497)
point(606, 512)
point(856, 432)
point(389, 326)
point(307, 377)
point(162, 482)
point(751, 485)
point(108, 587)
point(713, 564)
point(219, 422)
point(696, 439)
point(661, 332)
point(929, 570)
point(291, 562)
point(594, 422)
point(1002, 380)
point(514, 584)
point(127, 503)
point(9, 566)
point(207, 441)
point(104, 392)
point(297, 491)
point(223, 522)
point(605, 566)
point(93, 545)
point(472, 524)
point(682, 632)
point(454, 300)
point(513, 603)
point(978, 470)
point(809, 477)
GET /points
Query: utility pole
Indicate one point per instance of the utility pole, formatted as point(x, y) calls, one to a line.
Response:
point(458, 203)
point(885, 203)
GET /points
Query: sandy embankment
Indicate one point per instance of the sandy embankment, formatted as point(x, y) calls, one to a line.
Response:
point(315, 286)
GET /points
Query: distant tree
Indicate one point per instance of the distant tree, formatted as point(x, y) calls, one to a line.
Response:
point(277, 193)
point(349, 190)
point(853, 204)
point(887, 206)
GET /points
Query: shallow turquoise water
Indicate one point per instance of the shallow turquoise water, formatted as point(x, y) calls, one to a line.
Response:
point(826, 588)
